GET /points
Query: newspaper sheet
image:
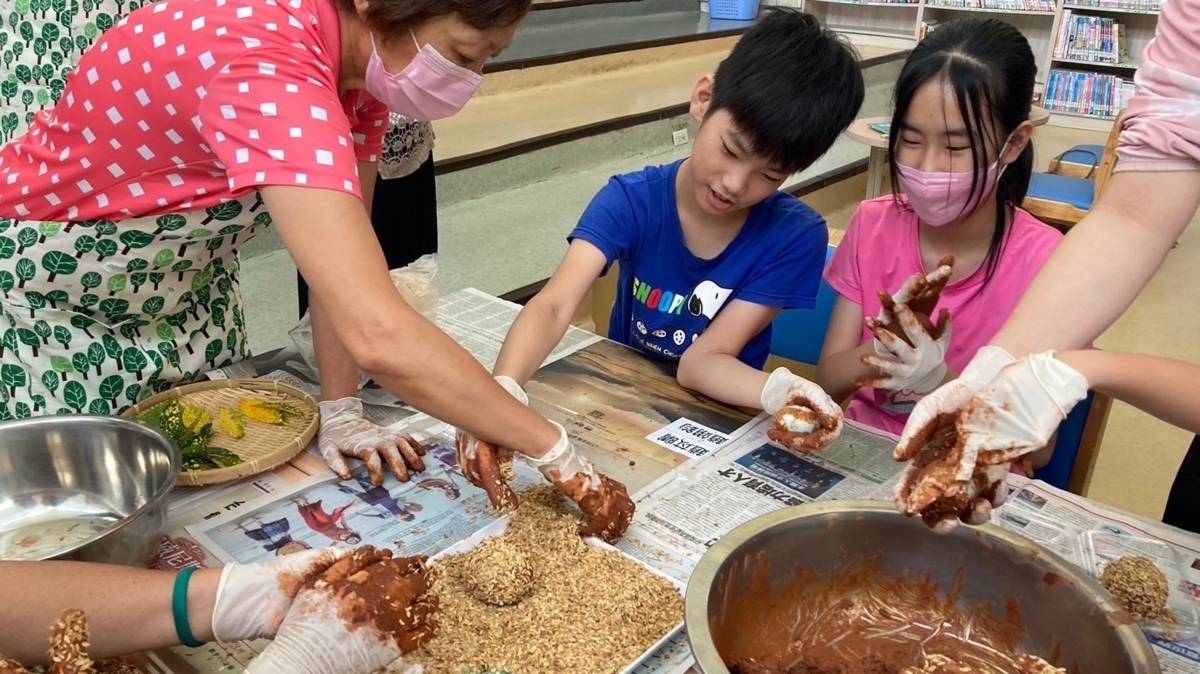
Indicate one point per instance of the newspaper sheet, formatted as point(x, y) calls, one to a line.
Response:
point(1090, 535)
point(477, 321)
point(432, 511)
point(480, 322)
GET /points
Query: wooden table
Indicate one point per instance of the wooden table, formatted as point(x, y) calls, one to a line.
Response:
point(860, 131)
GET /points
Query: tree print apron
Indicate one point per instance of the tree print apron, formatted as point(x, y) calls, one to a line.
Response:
point(40, 43)
point(97, 315)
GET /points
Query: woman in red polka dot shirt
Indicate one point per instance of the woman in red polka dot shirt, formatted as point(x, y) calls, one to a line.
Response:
point(186, 129)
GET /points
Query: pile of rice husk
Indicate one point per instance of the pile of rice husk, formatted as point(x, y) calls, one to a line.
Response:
point(583, 610)
point(1140, 587)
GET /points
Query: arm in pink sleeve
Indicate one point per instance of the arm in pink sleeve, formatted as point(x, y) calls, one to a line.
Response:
point(1162, 124)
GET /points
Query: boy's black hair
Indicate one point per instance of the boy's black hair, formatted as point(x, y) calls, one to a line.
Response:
point(989, 67)
point(791, 85)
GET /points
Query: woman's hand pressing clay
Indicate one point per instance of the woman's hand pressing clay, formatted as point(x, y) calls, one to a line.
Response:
point(361, 614)
point(605, 503)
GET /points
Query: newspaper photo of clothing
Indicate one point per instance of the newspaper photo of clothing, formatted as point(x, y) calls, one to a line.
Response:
point(433, 510)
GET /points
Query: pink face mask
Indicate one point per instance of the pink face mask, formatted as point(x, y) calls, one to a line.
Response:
point(430, 86)
point(942, 198)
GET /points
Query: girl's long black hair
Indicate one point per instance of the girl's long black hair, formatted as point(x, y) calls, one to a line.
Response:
point(990, 68)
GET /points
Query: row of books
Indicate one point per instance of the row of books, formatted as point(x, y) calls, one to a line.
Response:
point(1083, 37)
point(1092, 94)
point(1001, 5)
point(1125, 5)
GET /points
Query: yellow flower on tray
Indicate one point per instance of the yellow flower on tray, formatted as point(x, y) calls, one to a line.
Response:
point(261, 411)
point(195, 418)
point(233, 423)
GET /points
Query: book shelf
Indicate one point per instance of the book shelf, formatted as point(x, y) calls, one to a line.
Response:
point(1093, 47)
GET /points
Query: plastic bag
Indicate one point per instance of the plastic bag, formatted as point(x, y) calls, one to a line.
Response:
point(417, 283)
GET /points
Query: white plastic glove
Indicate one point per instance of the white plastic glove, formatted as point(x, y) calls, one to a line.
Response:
point(919, 368)
point(950, 398)
point(1019, 411)
point(806, 418)
point(315, 637)
point(485, 465)
point(344, 432)
point(1013, 416)
point(252, 599)
point(605, 502)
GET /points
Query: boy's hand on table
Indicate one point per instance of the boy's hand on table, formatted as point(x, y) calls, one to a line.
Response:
point(806, 418)
point(358, 616)
point(485, 465)
point(914, 361)
point(605, 503)
point(345, 432)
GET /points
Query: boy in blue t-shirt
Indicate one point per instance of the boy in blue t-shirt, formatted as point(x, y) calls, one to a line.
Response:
point(709, 250)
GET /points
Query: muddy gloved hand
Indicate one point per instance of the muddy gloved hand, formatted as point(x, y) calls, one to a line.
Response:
point(920, 293)
point(252, 599)
point(605, 503)
point(942, 487)
point(485, 465)
point(1013, 416)
point(361, 614)
point(930, 444)
point(344, 432)
point(1019, 411)
point(914, 361)
point(950, 398)
point(807, 420)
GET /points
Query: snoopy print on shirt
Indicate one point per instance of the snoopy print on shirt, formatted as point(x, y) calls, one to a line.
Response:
point(667, 322)
point(666, 296)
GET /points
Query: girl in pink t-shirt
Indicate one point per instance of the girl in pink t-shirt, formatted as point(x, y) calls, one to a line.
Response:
point(961, 151)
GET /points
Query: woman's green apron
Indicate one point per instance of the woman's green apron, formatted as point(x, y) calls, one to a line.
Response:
point(97, 315)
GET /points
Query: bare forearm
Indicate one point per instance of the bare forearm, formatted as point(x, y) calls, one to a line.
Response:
point(404, 352)
point(430, 371)
point(339, 374)
point(838, 372)
point(538, 329)
point(128, 610)
point(722, 377)
point(1168, 389)
point(1103, 263)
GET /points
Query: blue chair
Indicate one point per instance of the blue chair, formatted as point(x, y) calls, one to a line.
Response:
point(1081, 161)
point(1067, 448)
point(1059, 200)
point(1062, 200)
point(799, 334)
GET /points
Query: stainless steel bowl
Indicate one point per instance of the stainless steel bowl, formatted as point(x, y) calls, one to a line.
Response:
point(1067, 615)
point(87, 488)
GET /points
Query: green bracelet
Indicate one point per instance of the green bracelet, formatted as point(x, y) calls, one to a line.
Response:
point(179, 608)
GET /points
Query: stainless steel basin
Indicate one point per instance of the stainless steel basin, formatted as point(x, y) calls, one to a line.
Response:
point(1067, 615)
point(87, 488)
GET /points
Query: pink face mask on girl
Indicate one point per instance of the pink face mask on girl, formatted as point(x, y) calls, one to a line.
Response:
point(942, 198)
point(430, 86)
